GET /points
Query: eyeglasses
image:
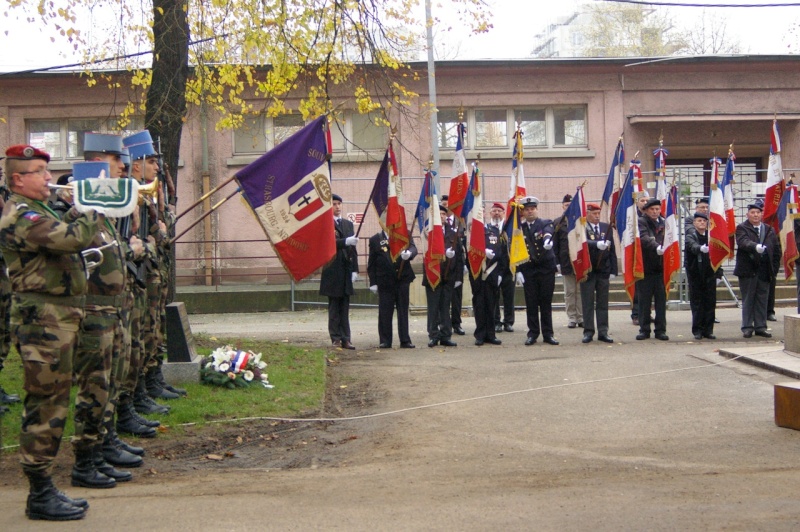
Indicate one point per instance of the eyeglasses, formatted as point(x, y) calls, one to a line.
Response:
point(41, 171)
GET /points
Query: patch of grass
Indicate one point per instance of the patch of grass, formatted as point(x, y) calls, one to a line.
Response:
point(298, 374)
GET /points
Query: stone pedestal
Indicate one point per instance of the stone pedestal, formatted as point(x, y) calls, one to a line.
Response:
point(791, 333)
point(183, 363)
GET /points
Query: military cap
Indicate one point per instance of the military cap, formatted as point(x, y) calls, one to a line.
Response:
point(126, 157)
point(444, 197)
point(90, 169)
point(701, 215)
point(704, 199)
point(23, 152)
point(336, 197)
point(497, 205)
point(103, 143)
point(592, 207)
point(442, 208)
point(758, 204)
point(64, 179)
point(140, 145)
point(529, 200)
point(651, 203)
point(567, 198)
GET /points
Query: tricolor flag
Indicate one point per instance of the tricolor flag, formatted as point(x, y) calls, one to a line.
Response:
point(727, 194)
point(289, 190)
point(627, 224)
point(576, 236)
point(429, 220)
point(517, 250)
point(611, 192)
point(672, 247)
point(476, 250)
point(787, 214)
point(775, 184)
point(660, 155)
point(517, 173)
point(719, 242)
point(459, 185)
point(387, 195)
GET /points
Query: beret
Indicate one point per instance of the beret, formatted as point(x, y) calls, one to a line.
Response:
point(592, 207)
point(651, 203)
point(701, 215)
point(23, 152)
point(756, 205)
point(442, 208)
point(567, 198)
point(444, 197)
point(336, 197)
point(704, 199)
point(497, 205)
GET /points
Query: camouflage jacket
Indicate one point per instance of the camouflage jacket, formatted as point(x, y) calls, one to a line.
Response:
point(108, 278)
point(43, 253)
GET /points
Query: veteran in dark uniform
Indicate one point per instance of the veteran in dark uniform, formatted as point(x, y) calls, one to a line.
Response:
point(650, 289)
point(594, 290)
point(486, 287)
point(538, 276)
point(338, 277)
point(757, 261)
point(507, 285)
point(439, 298)
point(390, 279)
point(701, 277)
point(48, 281)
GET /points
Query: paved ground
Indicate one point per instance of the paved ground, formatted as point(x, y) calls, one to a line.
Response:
point(635, 435)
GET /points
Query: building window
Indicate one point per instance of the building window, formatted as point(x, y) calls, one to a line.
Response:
point(358, 133)
point(545, 127)
point(63, 139)
point(258, 134)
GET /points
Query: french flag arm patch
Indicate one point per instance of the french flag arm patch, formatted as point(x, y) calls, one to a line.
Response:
point(32, 216)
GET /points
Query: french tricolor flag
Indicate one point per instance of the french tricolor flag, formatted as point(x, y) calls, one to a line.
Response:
point(576, 236)
point(775, 183)
point(719, 242)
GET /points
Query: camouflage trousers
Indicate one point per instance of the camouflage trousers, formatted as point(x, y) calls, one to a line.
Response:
point(5, 317)
point(162, 302)
point(152, 327)
point(121, 358)
point(92, 368)
point(46, 335)
point(137, 346)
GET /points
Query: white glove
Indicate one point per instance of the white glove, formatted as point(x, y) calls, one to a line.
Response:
point(760, 248)
point(405, 254)
point(548, 243)
point(373, 289)
point(704, 248)
point(458, 283)
point(660, 250)
point(558, 268)
point(520, 279)
point(351, 241)
point(602, 245)
point(466, 269)
point(354, 276)
point(450, 253)
point(489, 253)
point(499, 280)
point(719, 282)
point(611, 276)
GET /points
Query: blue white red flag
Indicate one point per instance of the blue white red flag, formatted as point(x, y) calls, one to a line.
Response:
point(775, 183)
point(289, 190)
point(611, 191)
point(660, 155)
point(517, 171)
point(476, 249)
point(576, 236)
point(388, 204)
point(672, 247)
point(627, 225)
point(429, 220)
point(459, 184)
point(719, 242)
point(728, 197)
point(787, 214)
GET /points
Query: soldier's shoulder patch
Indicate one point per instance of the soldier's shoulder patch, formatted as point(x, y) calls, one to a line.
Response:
point(31, 215)
point(21, 206)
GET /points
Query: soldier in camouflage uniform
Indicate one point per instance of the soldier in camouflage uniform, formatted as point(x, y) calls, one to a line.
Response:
point(48, 281)
point(5, 314)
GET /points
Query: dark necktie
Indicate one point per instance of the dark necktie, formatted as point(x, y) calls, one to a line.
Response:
point(597, 229)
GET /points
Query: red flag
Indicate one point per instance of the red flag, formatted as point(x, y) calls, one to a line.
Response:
point(476, 251)
point(575, 216)
point(775, 183)
point(718, 232)
point(787, 214)
point(396, 225)
point(627, 225)
point(672, 247)
point(430, 223)
point(459, 185)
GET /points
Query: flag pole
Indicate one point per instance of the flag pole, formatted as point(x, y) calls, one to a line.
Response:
point(203, 217)
point(205, 196)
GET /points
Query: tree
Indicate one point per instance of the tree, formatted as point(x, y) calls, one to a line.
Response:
point(629, 30)
point(710, 36)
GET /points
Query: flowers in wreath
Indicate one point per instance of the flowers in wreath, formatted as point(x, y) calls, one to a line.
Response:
point(233, 368)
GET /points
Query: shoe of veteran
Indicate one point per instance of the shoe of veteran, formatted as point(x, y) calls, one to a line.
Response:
point(47, 503)
point(550, 340)
point(697, 336)
point(771, 317)
point(433, 342)
point(407, 345)
point(458, 330)
point(605, 338)
point(747, 334)
point(347, 345)
point(580, 324)
point(764, 334)
point(635, 321)
point(571, 325)
point(710, 336)
point(448, 343)
point(530, 341)
point(587, 337)
point(643, 336)
point(661, 336)
point(508, 328)
point(498, 327)
point(8, 398)
point(716, 320)
point(478, 342)
point(384, 346)
point(494, 341)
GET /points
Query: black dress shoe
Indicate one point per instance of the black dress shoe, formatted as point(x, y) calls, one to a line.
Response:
point(530, 341)
point(710, 336)
point(384, 346)
point(494, 341)
point(407, 345)
point(347, 345)
point(771, 317)
point(433, 343)
point(605, 338)
point(587, 338)
point(661, 336)
point(448, 343)
point(764, 334)
point(508, 328)
point(336, 343)
point(498, 327)
point(747, 334)
point(571, 325)
point(643, 336)
point(580, 324)
point(697, 336)
point(458, 330)
point(635, 321)
point(550, 340)
point(478, 342)
point(716, 320)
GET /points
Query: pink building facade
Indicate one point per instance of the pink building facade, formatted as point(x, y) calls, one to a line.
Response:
point(572, 111)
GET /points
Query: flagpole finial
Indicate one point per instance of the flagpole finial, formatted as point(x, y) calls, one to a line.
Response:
point(430, 162)
point(661, 139)
point(392, 133)
point(636, 155)
point(461, 112)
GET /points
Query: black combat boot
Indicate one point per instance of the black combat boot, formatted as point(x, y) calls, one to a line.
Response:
point(142, 402)
point(154, 387)
point(167, 386)
point(8, 398)
point(154, 423)
point(46, 503)
point(116, 455)
point(86, 475)
point(127, 424)
point(107, 469)
point(125, 446)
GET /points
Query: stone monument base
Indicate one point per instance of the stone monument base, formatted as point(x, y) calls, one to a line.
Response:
point(179, 372)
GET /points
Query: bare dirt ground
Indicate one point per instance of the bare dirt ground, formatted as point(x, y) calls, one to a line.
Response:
point(635, 435)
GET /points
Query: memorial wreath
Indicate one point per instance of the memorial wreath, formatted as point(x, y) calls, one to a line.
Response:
point(233, 368)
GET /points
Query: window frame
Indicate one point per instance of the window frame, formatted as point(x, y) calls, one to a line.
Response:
point(64, 134)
